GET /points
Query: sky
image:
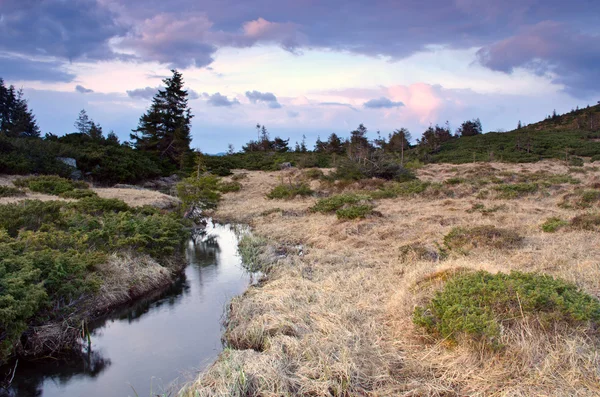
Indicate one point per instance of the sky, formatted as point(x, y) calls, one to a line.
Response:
point(302, 67)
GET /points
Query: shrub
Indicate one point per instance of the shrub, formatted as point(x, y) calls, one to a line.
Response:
point(576, 161)
point(50, 184)
point(202, 191)
point(8, 191)
point(454, 181)
point(334, 203)
point(478, 306)
point(354, 211)
point(227, 187)
point(551, 225)
point(586, 222)
point(289, 191)
point(28, 215)
point(463, 239)
point(313, 173)
point(516, 190)
point(393, 190)
point(78, 194)
point(97, 205)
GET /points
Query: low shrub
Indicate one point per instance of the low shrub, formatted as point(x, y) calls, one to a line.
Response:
point(289, 191)
point(586, 222)
point(416, 252)
point(199, 191)
point(228, 187)
point(8, 191)
point(354, 211)
point(576, 161)
point(551, 225)
point(334, 203)
point(97, 205)
point(463, 239)
point(78, 194)
point(516, 190)
point(478, 306)
point(313, 173)
point(393, 190)
point(480, 207)
point(50, 184)
point(454, 181)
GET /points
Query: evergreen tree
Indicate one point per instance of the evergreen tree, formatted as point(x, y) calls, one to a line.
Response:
point(280, 145)
point(112, 138)
point(335, 144)
point(470, 128)
point(166, 127)
point(83, 124)
point(95, 132)
point(15, 117)
point(303, 148)
point(320, 146)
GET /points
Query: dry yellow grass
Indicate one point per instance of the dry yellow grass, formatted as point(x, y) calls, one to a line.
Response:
point(337, 320)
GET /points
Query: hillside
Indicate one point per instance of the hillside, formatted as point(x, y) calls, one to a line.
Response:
point(576, 133)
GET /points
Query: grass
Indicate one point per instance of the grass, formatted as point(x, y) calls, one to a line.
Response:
point(339, 319)
point(589, 222)
point(289, 191)
point(228, 187)
point(476, 307)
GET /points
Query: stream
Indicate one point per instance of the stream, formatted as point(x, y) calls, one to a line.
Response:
point(155, 345)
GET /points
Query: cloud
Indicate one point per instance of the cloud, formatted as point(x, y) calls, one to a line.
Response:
point(149, 92)
point(382, 103)
point(23, 68)
point(265, 97)
point(552, 48)
point(143, 93)
point(220, 100)
point(68, 30)
point(347, 105)
point(81, 89)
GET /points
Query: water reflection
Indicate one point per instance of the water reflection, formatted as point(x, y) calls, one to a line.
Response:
point(155, 342)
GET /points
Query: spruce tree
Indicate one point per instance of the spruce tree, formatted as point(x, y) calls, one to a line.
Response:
point(83, 124)
point(16, 120)
point(165, 127)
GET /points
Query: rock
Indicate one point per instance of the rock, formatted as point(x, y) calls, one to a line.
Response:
point(71, 162)
point(124, 186)
point(284, 166)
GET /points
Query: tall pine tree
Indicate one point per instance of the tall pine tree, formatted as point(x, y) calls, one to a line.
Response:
point(16, 120)
point(165, 127)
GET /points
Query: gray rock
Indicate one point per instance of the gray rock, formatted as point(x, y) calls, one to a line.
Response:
point(71, 162)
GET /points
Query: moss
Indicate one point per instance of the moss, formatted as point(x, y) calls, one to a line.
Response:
point(464, 239)
point(477, 306)
point(551, 225)
point(516, 190)
point(336, 202)
point(288, 192)
point(354, 211)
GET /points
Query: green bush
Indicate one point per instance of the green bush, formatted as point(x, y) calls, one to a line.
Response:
point(393, 190)
point(50, 184)
point(201, 192)
point(289, 191)
point(49, 252)
point(354, 211)
point(478, 306)
point(576, 161)
point(313, 173)
point(551, 225)
point(227, 187)
point(8, 191)
point(516, 190)
point(454, 181)
point(463, 239)
point(78, 194)
point(96, 205)
point(334, 203)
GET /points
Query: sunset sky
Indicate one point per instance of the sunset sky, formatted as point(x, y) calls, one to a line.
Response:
point(303, 66)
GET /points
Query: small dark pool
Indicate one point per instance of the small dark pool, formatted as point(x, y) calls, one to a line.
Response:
point(155, 345)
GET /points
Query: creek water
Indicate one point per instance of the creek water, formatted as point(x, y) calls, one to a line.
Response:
point(155, 345)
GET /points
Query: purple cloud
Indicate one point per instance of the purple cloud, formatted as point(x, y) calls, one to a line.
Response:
point(22, 68)
point(265, 97)
point(219, 100)
point(82, 90)
point(143, 93)
point(549, 47)
point(382, 103)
